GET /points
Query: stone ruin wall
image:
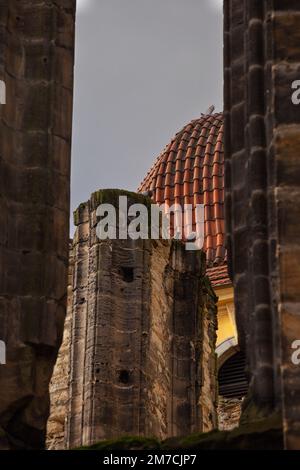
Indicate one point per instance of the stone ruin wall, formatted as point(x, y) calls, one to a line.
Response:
point(59, 385)
point(209, 382)
point(182, 334)
point(229, 413)
point(142, 340)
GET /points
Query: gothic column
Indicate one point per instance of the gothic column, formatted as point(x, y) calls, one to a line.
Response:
point(36, 64)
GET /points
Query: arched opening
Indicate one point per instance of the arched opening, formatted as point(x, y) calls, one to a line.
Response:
point(232, 387)
point(232, 378)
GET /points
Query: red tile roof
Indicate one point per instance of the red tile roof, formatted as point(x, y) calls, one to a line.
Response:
point(191, 171)
point(218, 276)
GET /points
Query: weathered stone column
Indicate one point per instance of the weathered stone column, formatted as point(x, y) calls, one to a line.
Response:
point(262, 126)
point(248, 216)
point(284, 156)
point(143, 335)
point(36, 63)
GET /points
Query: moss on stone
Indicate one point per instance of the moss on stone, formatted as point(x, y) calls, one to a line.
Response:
point(261, 435)
point(125, 443)
point(111, 196)
point(265, 434)
point(251, 412)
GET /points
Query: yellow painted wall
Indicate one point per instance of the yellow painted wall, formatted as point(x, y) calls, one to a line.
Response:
point(226, 317)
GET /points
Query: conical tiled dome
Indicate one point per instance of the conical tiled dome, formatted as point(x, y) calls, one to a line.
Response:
point(191, 171)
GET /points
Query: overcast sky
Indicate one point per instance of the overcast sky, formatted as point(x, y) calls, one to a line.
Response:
point(143, 69)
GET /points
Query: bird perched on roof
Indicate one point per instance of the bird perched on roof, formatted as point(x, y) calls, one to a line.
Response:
point(209, 111)
point(191, 237)
point(147, 193)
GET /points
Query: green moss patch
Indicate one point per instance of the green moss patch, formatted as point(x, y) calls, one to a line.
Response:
point(125, 443)
point(261, 435)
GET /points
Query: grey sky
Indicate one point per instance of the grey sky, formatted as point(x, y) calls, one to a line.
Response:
point(144, 68)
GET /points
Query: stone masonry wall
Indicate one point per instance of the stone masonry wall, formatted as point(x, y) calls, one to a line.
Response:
point(229, 413)
point(181, 365)
point(263, 196)
point(36, 64)
point(143, 334)
point(209, 387)
point(59, 385)
point(284, 152)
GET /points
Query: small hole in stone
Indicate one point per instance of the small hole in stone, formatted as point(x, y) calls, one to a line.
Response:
point(124, 376)
point(97, 371)
point(127, 274)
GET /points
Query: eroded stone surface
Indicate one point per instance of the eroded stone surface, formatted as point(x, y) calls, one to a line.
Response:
point(59, 385)
point(229, 413)
point(36, 63)
point(143, 334)
point(262, 126)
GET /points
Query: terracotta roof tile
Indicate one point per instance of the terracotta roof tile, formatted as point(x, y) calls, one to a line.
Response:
point(219, 276)
point(191, 170)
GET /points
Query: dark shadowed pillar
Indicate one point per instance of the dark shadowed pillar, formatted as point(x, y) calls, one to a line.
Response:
point(262, 146)
point(36, 63)
point(284, 151)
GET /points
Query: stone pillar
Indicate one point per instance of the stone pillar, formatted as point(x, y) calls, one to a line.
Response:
point(143, 335)
point(248, 217)
point(284, 155)
point(36, 64)
point(262, 198)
